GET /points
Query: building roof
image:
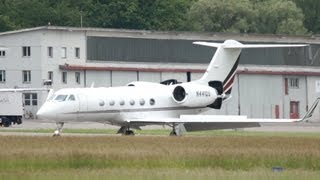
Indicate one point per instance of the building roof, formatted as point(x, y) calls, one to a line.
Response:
point(185, 35)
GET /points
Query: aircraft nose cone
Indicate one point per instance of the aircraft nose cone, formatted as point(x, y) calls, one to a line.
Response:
point(40, 113)
point(45, 113)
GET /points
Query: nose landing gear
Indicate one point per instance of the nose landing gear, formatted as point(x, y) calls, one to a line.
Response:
point(59, 129)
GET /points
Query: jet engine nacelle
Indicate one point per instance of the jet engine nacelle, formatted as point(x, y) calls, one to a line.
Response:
point(194, 95)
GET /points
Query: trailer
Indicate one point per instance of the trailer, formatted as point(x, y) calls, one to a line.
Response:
point(11, 108)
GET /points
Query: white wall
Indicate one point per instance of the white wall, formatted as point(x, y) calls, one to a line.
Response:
point(99, 78)
point(122, 78)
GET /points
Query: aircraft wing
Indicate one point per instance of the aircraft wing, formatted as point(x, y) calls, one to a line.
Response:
point(209, 122)
point(210, 119)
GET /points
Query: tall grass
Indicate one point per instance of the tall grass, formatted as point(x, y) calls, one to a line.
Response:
point(28, 154)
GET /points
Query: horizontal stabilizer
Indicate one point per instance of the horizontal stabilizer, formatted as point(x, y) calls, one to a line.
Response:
point(229, 44)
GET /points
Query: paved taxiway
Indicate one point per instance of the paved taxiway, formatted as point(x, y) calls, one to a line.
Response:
point(40, 124)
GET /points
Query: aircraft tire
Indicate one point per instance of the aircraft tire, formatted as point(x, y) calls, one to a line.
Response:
point(173, 133)
point(128, 133)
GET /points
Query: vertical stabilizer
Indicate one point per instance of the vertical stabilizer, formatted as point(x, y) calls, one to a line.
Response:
point(223, 65)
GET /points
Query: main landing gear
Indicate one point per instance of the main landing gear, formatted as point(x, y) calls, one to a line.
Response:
point(124, 130)
point(59, 129)
point(173, 132)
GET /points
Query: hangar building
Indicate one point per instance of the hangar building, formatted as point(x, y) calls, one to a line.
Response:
point(270, 83)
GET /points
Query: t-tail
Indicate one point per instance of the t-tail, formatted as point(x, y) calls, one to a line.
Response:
point(222, 69)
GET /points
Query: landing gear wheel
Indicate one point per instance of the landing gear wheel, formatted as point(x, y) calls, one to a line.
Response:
point(129, 133)
point(125, 131)
point(173, 133)
point(56, 133)
point(58, 130)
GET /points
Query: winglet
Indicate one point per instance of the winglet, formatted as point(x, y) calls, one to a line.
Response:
point(311, 111)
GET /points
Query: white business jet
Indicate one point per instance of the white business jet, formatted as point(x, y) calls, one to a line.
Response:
point(145, 103)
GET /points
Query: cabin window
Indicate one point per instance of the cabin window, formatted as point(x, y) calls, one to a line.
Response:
point(61, 98)
point(142, 102)
point(71, 98)
point(132, 102)
point(122, 102)
point(101, 103)
point(111, 103)
point(152, 101)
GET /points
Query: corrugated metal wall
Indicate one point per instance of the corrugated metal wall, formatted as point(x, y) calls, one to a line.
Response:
point(146, 50)
point(183, 51)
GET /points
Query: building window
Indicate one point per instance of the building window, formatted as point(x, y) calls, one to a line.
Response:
point(64, 77)
point(286, 90)
point(2, 53)
point(26, 76)
point(31, 99)
point(2, 76)
point(77, 52)
point(63, 52)
point(50, 76)
point(50, 52)
point(294, 82)
point(77, 77)
point(26, 51)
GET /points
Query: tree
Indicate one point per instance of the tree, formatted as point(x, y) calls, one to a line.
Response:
point(6, 24)
point(222, 16)
point(279, 17)
point(311, 10)
point(253, 16)
point(165, 14)
point(140, 14)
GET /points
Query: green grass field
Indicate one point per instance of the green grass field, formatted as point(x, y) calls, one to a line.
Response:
point(214, 154)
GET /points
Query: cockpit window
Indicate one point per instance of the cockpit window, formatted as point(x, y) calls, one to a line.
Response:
point(71, 98)
point(61, 98)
